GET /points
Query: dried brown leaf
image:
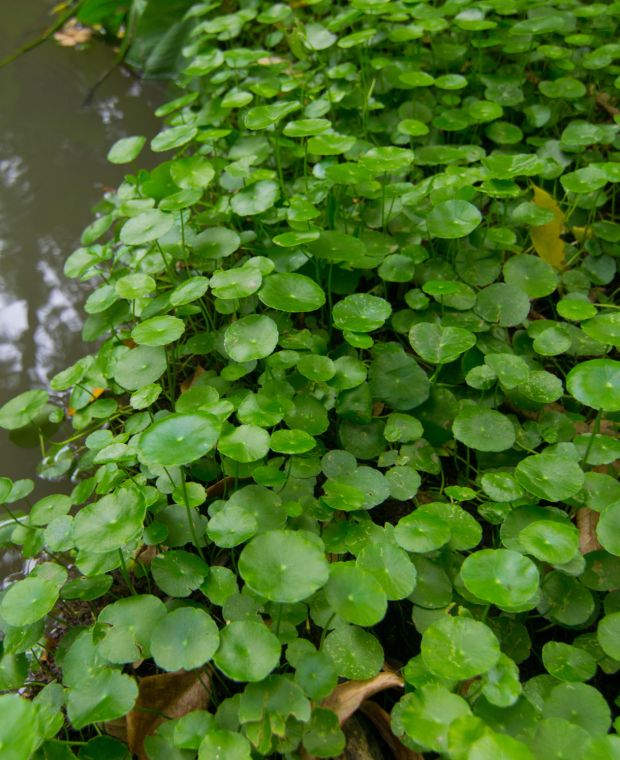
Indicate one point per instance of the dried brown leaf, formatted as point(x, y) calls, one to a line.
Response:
point(161, 697)
point(383, 724)
point(346, 698)
point(587, 520)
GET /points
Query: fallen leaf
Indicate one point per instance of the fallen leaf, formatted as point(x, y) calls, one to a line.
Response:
point(347, 697)
point(161, 697)
point(383, 724)
point(72, 34)
point(587, 520)
point(546, 238)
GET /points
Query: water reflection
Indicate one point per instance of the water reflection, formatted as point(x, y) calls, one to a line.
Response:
point(52, 172)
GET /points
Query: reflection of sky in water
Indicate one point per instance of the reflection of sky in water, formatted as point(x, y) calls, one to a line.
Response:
point(52, 171)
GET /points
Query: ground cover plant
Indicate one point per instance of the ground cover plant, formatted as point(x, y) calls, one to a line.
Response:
point(351, 408)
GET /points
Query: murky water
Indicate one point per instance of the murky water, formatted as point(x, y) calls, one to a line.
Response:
point(52, 172)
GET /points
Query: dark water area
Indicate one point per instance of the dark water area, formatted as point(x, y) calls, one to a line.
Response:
point(52, 172)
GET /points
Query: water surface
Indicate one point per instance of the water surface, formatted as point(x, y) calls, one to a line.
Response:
point(52, 172)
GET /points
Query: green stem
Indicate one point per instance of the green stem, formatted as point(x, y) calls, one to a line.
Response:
point(49, 32)
point(595, 428)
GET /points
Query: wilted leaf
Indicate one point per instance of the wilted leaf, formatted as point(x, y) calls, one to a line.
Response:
point(382, 722)
point(546, 238)
point(587, 520)
point(167, 694)
point(347, 697)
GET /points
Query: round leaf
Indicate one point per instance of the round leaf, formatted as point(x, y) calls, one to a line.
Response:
point(596, 383)
point(249, 338)
point(248, 651)
point(283, 566)
point(502, 577)
point(361, 312)
point(126, 150)
point(246, 443)
point(459, 648)
point(550, 476)
point(453, 219)
point(140, 366)
point(185, 639)
point(291, 292)
point(158, 331)
point(483, 429)
point(440, 345)
point(255, 199)
point(355, 595)
point(146, 227)
point(178, 439)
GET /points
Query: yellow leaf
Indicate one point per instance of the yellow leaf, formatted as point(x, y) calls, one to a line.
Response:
point(546, 238)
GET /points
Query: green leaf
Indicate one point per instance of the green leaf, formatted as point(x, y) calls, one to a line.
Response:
point(506, 304)
point(173, 137)
point(125, 150)
point(426, 715)
point(28, 600)
point(249, 338)
point(608, 528)
point(421, 532)
point(608, 635)
point(495, 746)
point(146, 227)
point(283, 566)
point(19, 728)
point(221, 744)
point(391, 566)
point(550, 476)
point(158, 331)
point(178, 573)
point(361, 312)
point(453, 219)
point(140, 366)
point(356, 653)
point(185, 639)
point(248, 651)
point(291, 441)
point(604, 328)
point(596, 383)
point(246, 443)
point(261, 117)
point(459, 648)
point(105, 695)
point(550, 541)
point(108, 524)
point(534, 276)
point(323, 736)
point(22, 409)
point(440, 345)
point(255, 199)
point(337, 247)
point(483, 429)
point(397, 379)
point(502, 577)
point(592, 714)
point(216, 243)
point(355, 595)
point(568, 663)
point(130, 622)
point(190, 290)
point(192, 172)
point(178, 439)
point(292, 293)
point(306, 127)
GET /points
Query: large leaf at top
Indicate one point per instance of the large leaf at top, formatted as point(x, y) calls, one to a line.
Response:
point(159, 37)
